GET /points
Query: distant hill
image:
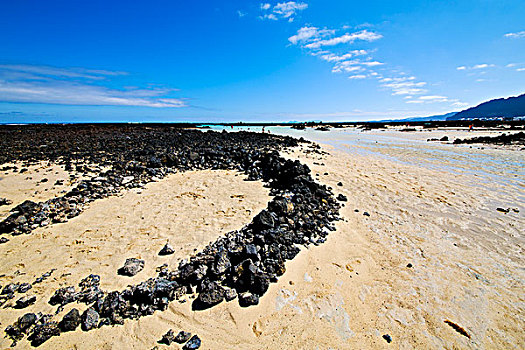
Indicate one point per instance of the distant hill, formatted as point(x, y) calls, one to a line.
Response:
point(502, 107)
point(422, 119)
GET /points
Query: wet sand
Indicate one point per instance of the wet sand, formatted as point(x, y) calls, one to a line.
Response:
point(433, 249)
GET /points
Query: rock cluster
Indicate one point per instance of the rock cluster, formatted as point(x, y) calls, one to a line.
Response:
point(503, 139)
point(181, 338)
point(135, 155)
point(241, 264)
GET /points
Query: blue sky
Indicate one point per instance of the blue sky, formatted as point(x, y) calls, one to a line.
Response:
point(79, 61)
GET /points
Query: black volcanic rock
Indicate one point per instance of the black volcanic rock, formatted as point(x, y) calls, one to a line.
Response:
point(44, 329)
point(25, 302)
point(5, 201)
point(342, 198)
point(131, 267)
point(503, 139)
point(71, 321)
point(248, 299)
point(167, 338)
point(90, 319)
point(167, 250)
point(182, 337)
point(193, 343)
point(241, 264)
point(211, 294)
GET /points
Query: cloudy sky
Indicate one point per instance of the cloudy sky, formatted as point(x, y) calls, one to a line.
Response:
point(76, 61)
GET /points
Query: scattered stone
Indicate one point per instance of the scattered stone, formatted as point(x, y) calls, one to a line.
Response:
point(131, 267)
point(409, 265)
point(21, 327)
point(5, 201)
point(457, 328)
point(342, 198)
point(241, 264)
point(210, 295)
point(10, 288)
point(44, 329)
point(366, 213)
point(44, 276)
point(3, 240)
point(503, 210)
point(71, 321)
point(90, 319)
point(25, 302)
point(167, 338)
point(193, 343)
point(167, 250)
point(444, 138)
point(182, 337)
point(387, 337)
point(339, 184)
point(64, 296)
point(24, 287)
point(248, 299)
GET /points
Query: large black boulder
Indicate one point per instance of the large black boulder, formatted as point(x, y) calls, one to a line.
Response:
point(70, 322)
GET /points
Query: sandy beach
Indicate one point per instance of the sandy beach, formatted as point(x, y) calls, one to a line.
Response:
point(422, 255)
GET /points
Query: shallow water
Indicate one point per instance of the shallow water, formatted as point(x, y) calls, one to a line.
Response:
point(493, 168)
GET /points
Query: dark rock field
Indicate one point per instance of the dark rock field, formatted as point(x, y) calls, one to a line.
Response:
point(241, 265)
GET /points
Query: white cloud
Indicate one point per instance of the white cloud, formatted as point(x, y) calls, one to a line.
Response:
point(477, 66)
point(355, 65)
point(307, 33)
point(241, 14)
point(483, 66)
point(288, 9)
point(404, 85)
point(364, 35)
point(429, 99)
point(47, 71)
point(325, 44)
point(515, 35)
point(357, 76)
point(270, 16)
point(73, 86)
point(330, 57)
point(520, 70)
point(284, 10)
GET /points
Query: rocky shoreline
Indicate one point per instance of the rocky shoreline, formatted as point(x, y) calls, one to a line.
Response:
point(241, 265)
point(503, 139)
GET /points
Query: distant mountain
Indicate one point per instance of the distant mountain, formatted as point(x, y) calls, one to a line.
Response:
point(422, 119)
point(499, 108)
